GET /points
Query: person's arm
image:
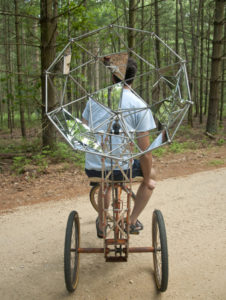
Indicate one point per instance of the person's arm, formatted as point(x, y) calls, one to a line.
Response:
point(146, 159)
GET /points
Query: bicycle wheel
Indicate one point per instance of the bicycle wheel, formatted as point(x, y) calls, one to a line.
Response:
point(71, 255)
point(93, 195)
point(160, 254)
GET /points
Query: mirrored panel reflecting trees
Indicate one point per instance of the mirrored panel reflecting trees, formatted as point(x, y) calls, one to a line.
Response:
point(82, 77)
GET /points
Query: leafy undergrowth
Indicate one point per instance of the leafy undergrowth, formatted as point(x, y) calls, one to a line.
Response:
point(29, 156)
point(190, 139)
point(18, 156)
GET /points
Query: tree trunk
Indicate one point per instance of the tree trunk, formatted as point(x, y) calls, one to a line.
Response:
point(201, 63)
point(141, 53)
point(19, 76)
point(48, 12)
point(131, 33)
point(7, 67)
point(190, 120)
point(216, 68)
point(157, 51)
point(207, 64)
point(1, 112)
point(196, 59)
point(222, 82)
point(69, 81)
point(109, 97)
point(176, 33)
point(157, 43)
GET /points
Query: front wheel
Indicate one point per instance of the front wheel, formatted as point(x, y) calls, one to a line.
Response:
point(71, 254)
point(160, 254)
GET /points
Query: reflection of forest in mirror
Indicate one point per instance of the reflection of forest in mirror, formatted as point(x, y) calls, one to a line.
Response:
point(75, 131)
point(109, 96)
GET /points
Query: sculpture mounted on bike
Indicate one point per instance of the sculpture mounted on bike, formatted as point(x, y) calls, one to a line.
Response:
point(81, 76)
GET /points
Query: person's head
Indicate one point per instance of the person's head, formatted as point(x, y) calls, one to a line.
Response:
point(131, 70)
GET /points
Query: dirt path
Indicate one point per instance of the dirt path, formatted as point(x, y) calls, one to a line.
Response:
point(194, 207)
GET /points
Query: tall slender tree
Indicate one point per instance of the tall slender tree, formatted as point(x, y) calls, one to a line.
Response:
point(201, 62)
point(176, 31)
point(207, 62)
point(190, 120)
point(8, 69)
point(157, 43)
point(131, 35)
point(48, 21)
point(216, 68)
point(19, 76)
point(223, 80)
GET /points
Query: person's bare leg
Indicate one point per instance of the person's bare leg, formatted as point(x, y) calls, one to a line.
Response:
point(143, 195)
point(107, 198)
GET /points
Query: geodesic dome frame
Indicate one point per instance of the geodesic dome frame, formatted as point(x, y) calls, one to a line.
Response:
point(82, 73)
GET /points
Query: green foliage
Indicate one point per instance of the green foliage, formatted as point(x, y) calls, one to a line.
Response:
point(33, 121)
point(64, 153)
point(20, 146)
point(159, 151)
point(216, 162)
point(221, 142)
point(20, 163)
point(40, 160)
point(176, 147)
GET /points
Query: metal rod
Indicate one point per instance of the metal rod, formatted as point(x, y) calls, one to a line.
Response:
point(46, 92)
point(55, 60)
point(82, 65)
point(141, 58)
point(89, 33)
point(116, 242)
point(187, 82)
point(141, 249)
point(134, 29)
point(90, 250)
point(168, 47)
point(64, 90)
point(101, 250)
point(83, 48)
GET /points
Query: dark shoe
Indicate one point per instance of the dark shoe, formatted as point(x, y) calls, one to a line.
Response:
point(139, 225)
point(136, 228)
point(133, 229)
point(100, 234)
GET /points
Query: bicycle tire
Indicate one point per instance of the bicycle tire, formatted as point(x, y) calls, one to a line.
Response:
point(93, 196)
point(71, 258)
point(160, 254)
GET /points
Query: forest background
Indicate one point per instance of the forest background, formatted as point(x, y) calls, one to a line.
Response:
point(33, 31)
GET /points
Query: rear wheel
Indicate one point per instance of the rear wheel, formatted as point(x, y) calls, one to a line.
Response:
point(160, 254)
point(71, 255)
point(93, 195)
